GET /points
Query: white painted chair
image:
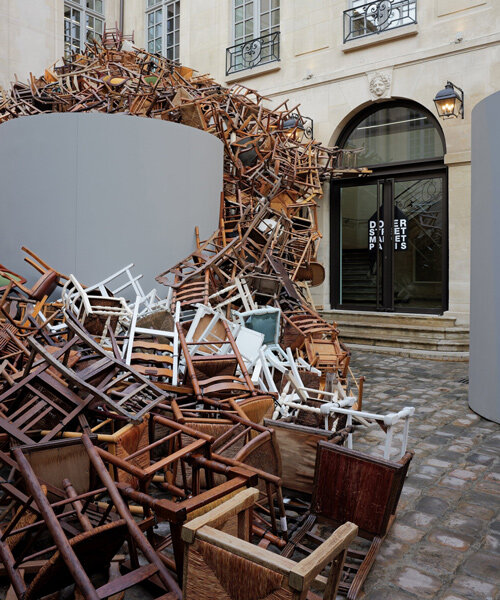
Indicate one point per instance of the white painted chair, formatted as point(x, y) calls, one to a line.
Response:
point(273, 358)
point(333, 405)
point(95, 308)
point(207, 330)
point(237, 291)
point(168, 352)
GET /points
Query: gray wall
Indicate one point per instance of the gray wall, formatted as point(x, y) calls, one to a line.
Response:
point(484, 389)
point(91, 193)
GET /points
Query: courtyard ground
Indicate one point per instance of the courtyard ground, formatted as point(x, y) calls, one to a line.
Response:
point(445, 543)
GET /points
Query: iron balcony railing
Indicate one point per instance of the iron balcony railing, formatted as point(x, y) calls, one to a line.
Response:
point(253, 53)
point(377, 17)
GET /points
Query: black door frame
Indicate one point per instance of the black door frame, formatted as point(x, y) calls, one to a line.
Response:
point(420, 169)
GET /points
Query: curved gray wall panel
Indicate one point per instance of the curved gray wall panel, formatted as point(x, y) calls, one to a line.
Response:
point(484, 369)
point(91, 193)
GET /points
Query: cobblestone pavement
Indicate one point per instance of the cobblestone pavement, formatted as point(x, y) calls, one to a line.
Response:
point(445, 542)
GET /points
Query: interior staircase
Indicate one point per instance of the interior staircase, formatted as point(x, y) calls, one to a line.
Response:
point(358, 286)
point(411, 335)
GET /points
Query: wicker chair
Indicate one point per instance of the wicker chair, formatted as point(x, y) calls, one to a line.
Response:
point(220, 562)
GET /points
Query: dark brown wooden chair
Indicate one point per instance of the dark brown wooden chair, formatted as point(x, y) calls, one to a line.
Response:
point(69, 535)
point(355, 487)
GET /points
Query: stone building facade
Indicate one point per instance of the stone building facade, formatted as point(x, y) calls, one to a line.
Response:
point(366, 75)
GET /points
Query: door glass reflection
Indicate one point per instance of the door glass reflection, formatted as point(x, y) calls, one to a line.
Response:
point(418, 243)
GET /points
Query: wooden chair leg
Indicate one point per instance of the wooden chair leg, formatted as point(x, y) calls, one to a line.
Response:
point(334, 577)
point(364, 569)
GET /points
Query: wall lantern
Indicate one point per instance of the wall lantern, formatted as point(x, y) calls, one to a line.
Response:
point(450, 102)
point(298, 127)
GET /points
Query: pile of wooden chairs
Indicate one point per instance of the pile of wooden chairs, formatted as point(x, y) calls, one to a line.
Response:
point(171, 439)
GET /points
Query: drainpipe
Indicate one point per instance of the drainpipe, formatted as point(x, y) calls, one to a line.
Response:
point(121, 15)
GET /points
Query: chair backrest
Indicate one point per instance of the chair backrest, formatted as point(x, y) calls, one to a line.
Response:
point(249, 343)
point(52, 462)
point(262, 452)
point(297, 445)
point(357, 487)
point(265, 321)
point(45, 285)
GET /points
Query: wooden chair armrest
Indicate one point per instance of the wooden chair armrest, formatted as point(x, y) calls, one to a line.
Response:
point(221, 513)
point(163, 508)
point(406, 458)
point(307, 569)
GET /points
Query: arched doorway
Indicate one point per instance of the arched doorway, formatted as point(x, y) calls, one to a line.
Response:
point(389, 242)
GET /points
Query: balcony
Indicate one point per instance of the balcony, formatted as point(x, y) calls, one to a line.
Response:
point(377, 17)
point(253, 53)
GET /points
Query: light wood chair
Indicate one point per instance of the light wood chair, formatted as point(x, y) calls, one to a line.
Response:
point(220, 562)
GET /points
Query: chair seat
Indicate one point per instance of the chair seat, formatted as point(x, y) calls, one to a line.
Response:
point(94, 549)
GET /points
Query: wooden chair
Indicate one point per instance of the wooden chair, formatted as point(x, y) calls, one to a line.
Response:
point(214, 373)
point(298, 444)
point(151, 351)
point(310, 405)
point(5, 281)
point(351, 486)
point(220, 562)
point(237, 294)
point(55, 389)
point(96, 308)
point(328, 355)
point(124, 441)
point(44, 286)
point(28, 308)
point(82, 539)
point(178, 474)
point(239, 442)
point(333, 410)
point(37, 400)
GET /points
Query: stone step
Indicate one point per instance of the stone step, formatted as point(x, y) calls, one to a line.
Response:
point(348, 316)
point(403, 330)
point(407, 341)
point(413, 353)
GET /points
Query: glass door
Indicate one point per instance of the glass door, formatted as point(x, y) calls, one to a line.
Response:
point(389, 244)
point(419, 255)
point(361, 246)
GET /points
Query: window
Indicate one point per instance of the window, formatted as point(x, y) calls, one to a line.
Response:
point(83, 22)
point(256, 26)
point(367, 18)
point(162, 28)
point(255, 18)
point(394, 133)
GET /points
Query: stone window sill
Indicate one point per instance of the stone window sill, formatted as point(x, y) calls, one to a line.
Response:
point(380, 38)
point(255, 72)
